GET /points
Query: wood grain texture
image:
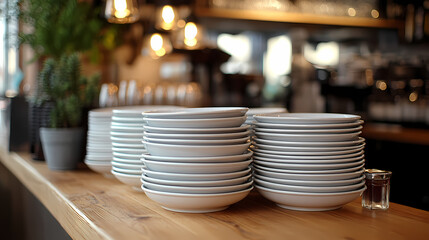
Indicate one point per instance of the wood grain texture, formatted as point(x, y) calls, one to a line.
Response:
point(90, 206)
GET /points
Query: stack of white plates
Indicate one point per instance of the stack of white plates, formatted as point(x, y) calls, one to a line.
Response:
point(99, 147)
point(309, 162)
point(198, 158)
point(126, 135)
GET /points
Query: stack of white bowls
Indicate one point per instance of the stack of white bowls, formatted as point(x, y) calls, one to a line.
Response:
point(99, 146)
point(198, 158)
point(309, 162)
point(126, 135)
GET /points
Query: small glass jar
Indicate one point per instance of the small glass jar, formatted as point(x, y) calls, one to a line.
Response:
point(376, 196)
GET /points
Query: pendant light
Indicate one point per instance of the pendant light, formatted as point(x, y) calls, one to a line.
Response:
point(166, 17)
point(122, 11)
point(191, 35)
point(156, 45)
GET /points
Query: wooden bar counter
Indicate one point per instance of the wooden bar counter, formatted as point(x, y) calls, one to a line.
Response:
point(90, 206)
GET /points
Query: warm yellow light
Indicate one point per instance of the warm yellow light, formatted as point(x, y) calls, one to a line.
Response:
point(375, 13)
point(413, 96)
point(121, 8)
point(181, 23)
point(156, 42)
point(161, 52)
point(168, 14)
point(351, 12)
point(191, 30)
point(380, 84)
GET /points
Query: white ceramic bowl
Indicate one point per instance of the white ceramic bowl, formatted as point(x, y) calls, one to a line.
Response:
point(195, 177)
point(309, 201)
point(309, 137)
point(196, 190)
point(171, 130)
point(204, 112)
point(268, 157)
point(175, 167)
point(307, 166)
point(213, 183)
point(220, 159)
point(196, 203)
point(206, 136)
point(308, 125)
point(128, 179)
point(309, 176)
point(311, 183)
point(308, 189)
point(171, 150)
point(198, 142)
point(299, 118)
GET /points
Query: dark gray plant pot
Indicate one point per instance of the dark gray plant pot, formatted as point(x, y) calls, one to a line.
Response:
point(62, 147)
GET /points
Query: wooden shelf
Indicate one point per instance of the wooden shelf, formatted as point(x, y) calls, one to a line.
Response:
point(90, 206)
point(395, 133)
point(277, 16)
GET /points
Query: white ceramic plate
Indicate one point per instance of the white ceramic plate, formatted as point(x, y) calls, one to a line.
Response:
point(95, 157)
point(129, 161)
point(101, 112)
point(136, 111)
point(128, 155)
point(131, 125)
point(100, 168)
point(128, 179)
point(196, 203)
point(278, 155)
point(309, 201)
point(214, 183)
point(195, 177)
point(133, 120)
point(205, 112)
point(309, 176)
point(267, 157)
point(279, 151)
point(309, 137)
point(299, 118)
point(129, 150)
point(127, 129)
point(307, 166)
point(170, 150)
point(323, 171)
point(308, 189)
point(196, 190)
point(196, 123)
point(262, 144)
point(128, 145)
point(206, 136)
point(308, 125)
point(308, 131)
point(127, 165)
point(127, 134)
point(196, 130)
point(310, 183)
point(125, 140)
point(198, 142)
point(265, 110)
point(127, 171)
point(174, 167)
point(310, 144)
point(220, 159)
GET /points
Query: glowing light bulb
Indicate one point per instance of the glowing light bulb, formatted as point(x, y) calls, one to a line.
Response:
point(191, 30)
point(156, 42)
point(121, 8)
point(168, 14)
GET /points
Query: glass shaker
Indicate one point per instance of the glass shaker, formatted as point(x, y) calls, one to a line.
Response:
point(376, 196)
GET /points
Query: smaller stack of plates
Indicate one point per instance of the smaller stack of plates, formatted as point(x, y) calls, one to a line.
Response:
point(198, 159)
point(309, 162)
point(126, 135)
point(99, 146)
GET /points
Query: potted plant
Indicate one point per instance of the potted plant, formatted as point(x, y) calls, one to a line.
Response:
point(70, 94)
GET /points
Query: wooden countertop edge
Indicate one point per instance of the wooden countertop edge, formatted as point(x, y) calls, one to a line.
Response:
point(58, 205)
point(395, 133)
